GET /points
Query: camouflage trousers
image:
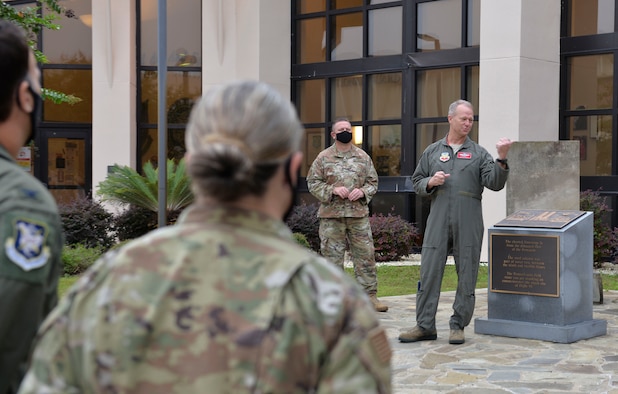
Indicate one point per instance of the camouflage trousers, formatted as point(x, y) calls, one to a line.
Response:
point(334, 232)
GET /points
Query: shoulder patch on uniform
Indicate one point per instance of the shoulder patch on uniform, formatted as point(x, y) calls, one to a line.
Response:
point(28, 193)
point(379, 344)
point(26, 247)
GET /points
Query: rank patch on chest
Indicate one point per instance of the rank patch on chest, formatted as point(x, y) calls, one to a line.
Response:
point(27, 246)
point(464, 155)
point(444, 157)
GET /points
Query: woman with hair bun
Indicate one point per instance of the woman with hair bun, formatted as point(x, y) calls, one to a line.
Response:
point(224, 301)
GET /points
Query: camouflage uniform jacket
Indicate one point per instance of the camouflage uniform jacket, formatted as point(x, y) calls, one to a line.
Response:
point(224, 302)
point(352, 169)
point(31, 240)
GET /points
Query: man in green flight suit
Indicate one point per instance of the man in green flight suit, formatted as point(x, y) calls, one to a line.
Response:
point(453, 172)
point(31, 235)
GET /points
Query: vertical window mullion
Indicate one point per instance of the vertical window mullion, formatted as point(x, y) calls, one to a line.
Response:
point(464, 23)
point(365, 33)
point(615, 115)
point(328, 113)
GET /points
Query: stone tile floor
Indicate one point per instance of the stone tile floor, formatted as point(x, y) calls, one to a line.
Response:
point(493, 364)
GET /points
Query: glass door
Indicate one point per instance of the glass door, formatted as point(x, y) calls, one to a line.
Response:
point(66, 164)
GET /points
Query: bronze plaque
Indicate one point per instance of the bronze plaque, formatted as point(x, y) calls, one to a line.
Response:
point(540, 218)
point(524, 264)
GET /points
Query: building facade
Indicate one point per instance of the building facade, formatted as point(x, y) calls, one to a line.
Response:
point(534, 70)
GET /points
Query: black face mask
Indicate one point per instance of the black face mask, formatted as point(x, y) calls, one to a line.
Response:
point(35, 114)
point(294, 188)
point(344, 136)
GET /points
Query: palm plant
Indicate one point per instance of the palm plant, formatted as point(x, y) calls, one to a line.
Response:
point(125, 186)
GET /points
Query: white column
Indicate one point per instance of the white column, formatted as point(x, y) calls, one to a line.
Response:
point(246, 39)
point(114, 86)
point(519, 81)
point(242, 39)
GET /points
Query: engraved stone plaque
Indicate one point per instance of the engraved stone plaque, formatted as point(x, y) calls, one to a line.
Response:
point(524, 264)
point(539, 218)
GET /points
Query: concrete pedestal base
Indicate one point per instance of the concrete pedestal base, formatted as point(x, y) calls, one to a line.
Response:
point(540, 281)
point(546, 332)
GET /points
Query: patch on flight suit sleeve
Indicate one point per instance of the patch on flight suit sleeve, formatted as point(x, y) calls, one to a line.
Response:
point(26, 252)
point(380, 346)
point(26, 247)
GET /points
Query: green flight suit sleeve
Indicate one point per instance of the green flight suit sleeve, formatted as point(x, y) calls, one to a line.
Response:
point(422, 175)
point(493, 176)
point(30, 266)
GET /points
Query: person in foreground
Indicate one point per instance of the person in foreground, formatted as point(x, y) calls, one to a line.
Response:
point(453, 172)
point(31, 236)
point(343, 179)
point(225, 301)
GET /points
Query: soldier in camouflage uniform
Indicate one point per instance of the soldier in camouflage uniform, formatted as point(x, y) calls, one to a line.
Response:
point(30, 229)
point(225, 301)
point(344, 180)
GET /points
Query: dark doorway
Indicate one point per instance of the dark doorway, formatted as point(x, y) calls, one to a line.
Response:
point(65, 163)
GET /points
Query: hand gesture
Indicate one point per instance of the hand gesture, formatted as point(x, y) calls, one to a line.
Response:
point(503, 145)
point(437, 179)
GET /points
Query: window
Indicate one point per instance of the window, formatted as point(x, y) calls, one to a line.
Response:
point(184, 76)
point(62, 159)
point(308, 6)
point(311, 40)
point(384, 96)
point(69, 70)
point(382, 64)
point(385, 31)
point(591, 82)
point(347, 37)
point(342, 33)
point(77, 82)
point(436, 89)
point(347, 97)
point(591, 17)
point(589, 113)
point(438, 25)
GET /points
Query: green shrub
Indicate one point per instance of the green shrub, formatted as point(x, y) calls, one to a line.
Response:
point(304, 220)
point(301, 240)
point(135, 222)
point(86, 222)
point(605, 239)
point(393, 237)
point(78, 258)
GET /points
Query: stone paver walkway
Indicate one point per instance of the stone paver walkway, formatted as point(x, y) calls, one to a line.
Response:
point(493, 364)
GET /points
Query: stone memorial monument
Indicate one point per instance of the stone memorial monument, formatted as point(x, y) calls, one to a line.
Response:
point(543, 175)
point(540, 277)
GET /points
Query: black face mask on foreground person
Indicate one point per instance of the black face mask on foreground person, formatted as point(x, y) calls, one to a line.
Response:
point(35, 114)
